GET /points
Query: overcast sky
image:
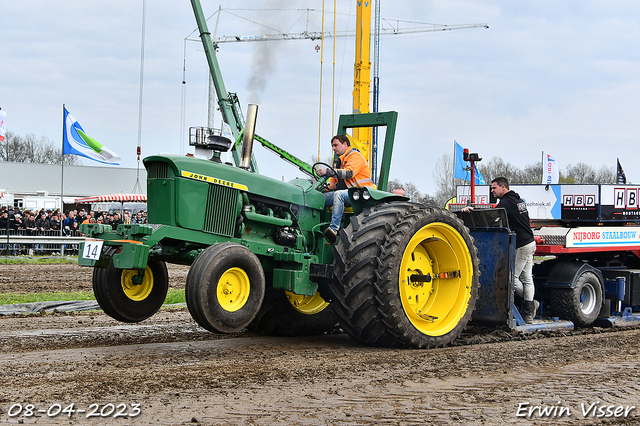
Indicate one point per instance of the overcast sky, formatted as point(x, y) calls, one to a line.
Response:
point(555, 76)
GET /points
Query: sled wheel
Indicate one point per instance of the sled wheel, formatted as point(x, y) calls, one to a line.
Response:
point(225, 288)
point(580, 304)
point(407, 276)
point(120, 295)
point(287, 314)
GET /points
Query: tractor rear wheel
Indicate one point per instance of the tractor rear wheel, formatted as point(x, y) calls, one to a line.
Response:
point(123, 299)
point(225, 288)
point(406, 276)
point(580, 304)
point(287, 314)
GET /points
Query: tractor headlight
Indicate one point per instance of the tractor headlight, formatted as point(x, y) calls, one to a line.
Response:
point(355, 195)
point(366, 195)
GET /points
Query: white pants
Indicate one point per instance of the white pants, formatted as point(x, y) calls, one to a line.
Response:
point(523, 282)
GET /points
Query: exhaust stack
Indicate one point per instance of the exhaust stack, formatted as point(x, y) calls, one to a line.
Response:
point(249, 133)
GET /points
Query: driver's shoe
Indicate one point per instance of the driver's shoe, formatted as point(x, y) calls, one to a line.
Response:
point(331, 235)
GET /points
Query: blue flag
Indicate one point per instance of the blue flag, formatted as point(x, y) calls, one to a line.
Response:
point(462, 169)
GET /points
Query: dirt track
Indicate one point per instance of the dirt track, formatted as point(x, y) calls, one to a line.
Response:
point(64, 277)
point(181, 374)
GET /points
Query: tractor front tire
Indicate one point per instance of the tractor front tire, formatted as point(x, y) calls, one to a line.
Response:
point(406, 276)
point(225, 288)
point(122, 299)
point(286, 314)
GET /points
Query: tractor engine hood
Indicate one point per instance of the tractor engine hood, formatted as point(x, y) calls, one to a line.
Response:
point(173, 167)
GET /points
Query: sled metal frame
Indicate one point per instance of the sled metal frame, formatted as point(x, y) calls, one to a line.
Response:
point(496, 245)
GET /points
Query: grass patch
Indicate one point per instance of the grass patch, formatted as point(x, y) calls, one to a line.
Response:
point(13, 298)
point(173, 296)
point(38, 260)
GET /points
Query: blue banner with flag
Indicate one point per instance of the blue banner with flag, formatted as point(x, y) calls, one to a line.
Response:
point(77, 142)
point(462, 169)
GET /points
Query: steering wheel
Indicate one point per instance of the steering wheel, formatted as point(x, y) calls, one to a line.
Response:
point(323, 184)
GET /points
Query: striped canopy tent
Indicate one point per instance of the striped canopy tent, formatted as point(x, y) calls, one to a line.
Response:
point(119, 198)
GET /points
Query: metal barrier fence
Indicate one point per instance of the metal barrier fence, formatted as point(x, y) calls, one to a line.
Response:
point(23, 242)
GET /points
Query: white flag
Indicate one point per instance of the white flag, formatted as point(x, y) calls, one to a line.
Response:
point(226, 131)
point(550, 170)
point(3, 130)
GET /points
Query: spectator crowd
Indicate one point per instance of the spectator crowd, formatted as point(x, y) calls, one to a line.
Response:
point(48, 222)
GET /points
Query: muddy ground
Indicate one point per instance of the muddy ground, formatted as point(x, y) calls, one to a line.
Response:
point(63, 277)
point(169, 371)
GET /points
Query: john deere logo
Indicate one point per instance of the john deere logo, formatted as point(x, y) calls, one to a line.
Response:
point(214, 181)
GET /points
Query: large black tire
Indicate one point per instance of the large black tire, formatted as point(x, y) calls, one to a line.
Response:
point(286, 314)
point(376, 256)
point(581, 304)
point(225, 288)
point(125, 301)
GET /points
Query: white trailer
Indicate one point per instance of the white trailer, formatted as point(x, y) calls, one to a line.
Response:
point(46, 202)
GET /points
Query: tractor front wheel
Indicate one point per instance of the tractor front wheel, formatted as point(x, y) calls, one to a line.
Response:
point(225, 288)
point(125, 296)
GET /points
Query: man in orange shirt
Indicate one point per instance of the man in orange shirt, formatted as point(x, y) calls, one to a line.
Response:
point(351, 170)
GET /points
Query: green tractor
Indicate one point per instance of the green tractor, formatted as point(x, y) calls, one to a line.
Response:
point(400, 274)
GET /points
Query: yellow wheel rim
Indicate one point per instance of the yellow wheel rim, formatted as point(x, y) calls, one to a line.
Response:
point(437, 304)
point(233, 289)
point(308, 305)
point(136, 292)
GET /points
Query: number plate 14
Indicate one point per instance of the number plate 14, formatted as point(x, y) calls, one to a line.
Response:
point(92, 249)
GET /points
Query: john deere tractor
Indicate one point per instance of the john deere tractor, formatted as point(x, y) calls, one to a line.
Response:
point(400, 274)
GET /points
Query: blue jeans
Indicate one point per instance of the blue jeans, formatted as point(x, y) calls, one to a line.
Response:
point(338, 199)
point(523, 283)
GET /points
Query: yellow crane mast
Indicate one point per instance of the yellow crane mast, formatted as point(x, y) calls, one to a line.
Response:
point(362, 77)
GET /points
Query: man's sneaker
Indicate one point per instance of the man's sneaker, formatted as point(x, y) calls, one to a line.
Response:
point(330, 235)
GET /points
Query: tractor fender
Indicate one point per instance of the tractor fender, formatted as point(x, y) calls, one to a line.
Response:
point(375, 197)
point(566, 274)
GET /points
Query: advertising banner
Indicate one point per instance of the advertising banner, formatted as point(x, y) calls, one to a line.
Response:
point(622, 236)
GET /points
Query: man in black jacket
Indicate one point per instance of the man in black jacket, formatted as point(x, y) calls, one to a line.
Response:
point(4, 221)
point(518, 217)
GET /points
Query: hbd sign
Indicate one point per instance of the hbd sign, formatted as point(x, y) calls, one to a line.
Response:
point(578, 200)
point(625, 198)
point(480, 199)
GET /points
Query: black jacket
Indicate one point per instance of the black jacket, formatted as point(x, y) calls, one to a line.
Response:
point(42, 224)
point(518, 217)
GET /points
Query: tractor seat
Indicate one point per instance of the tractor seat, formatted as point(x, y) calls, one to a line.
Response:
point(346, 209)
